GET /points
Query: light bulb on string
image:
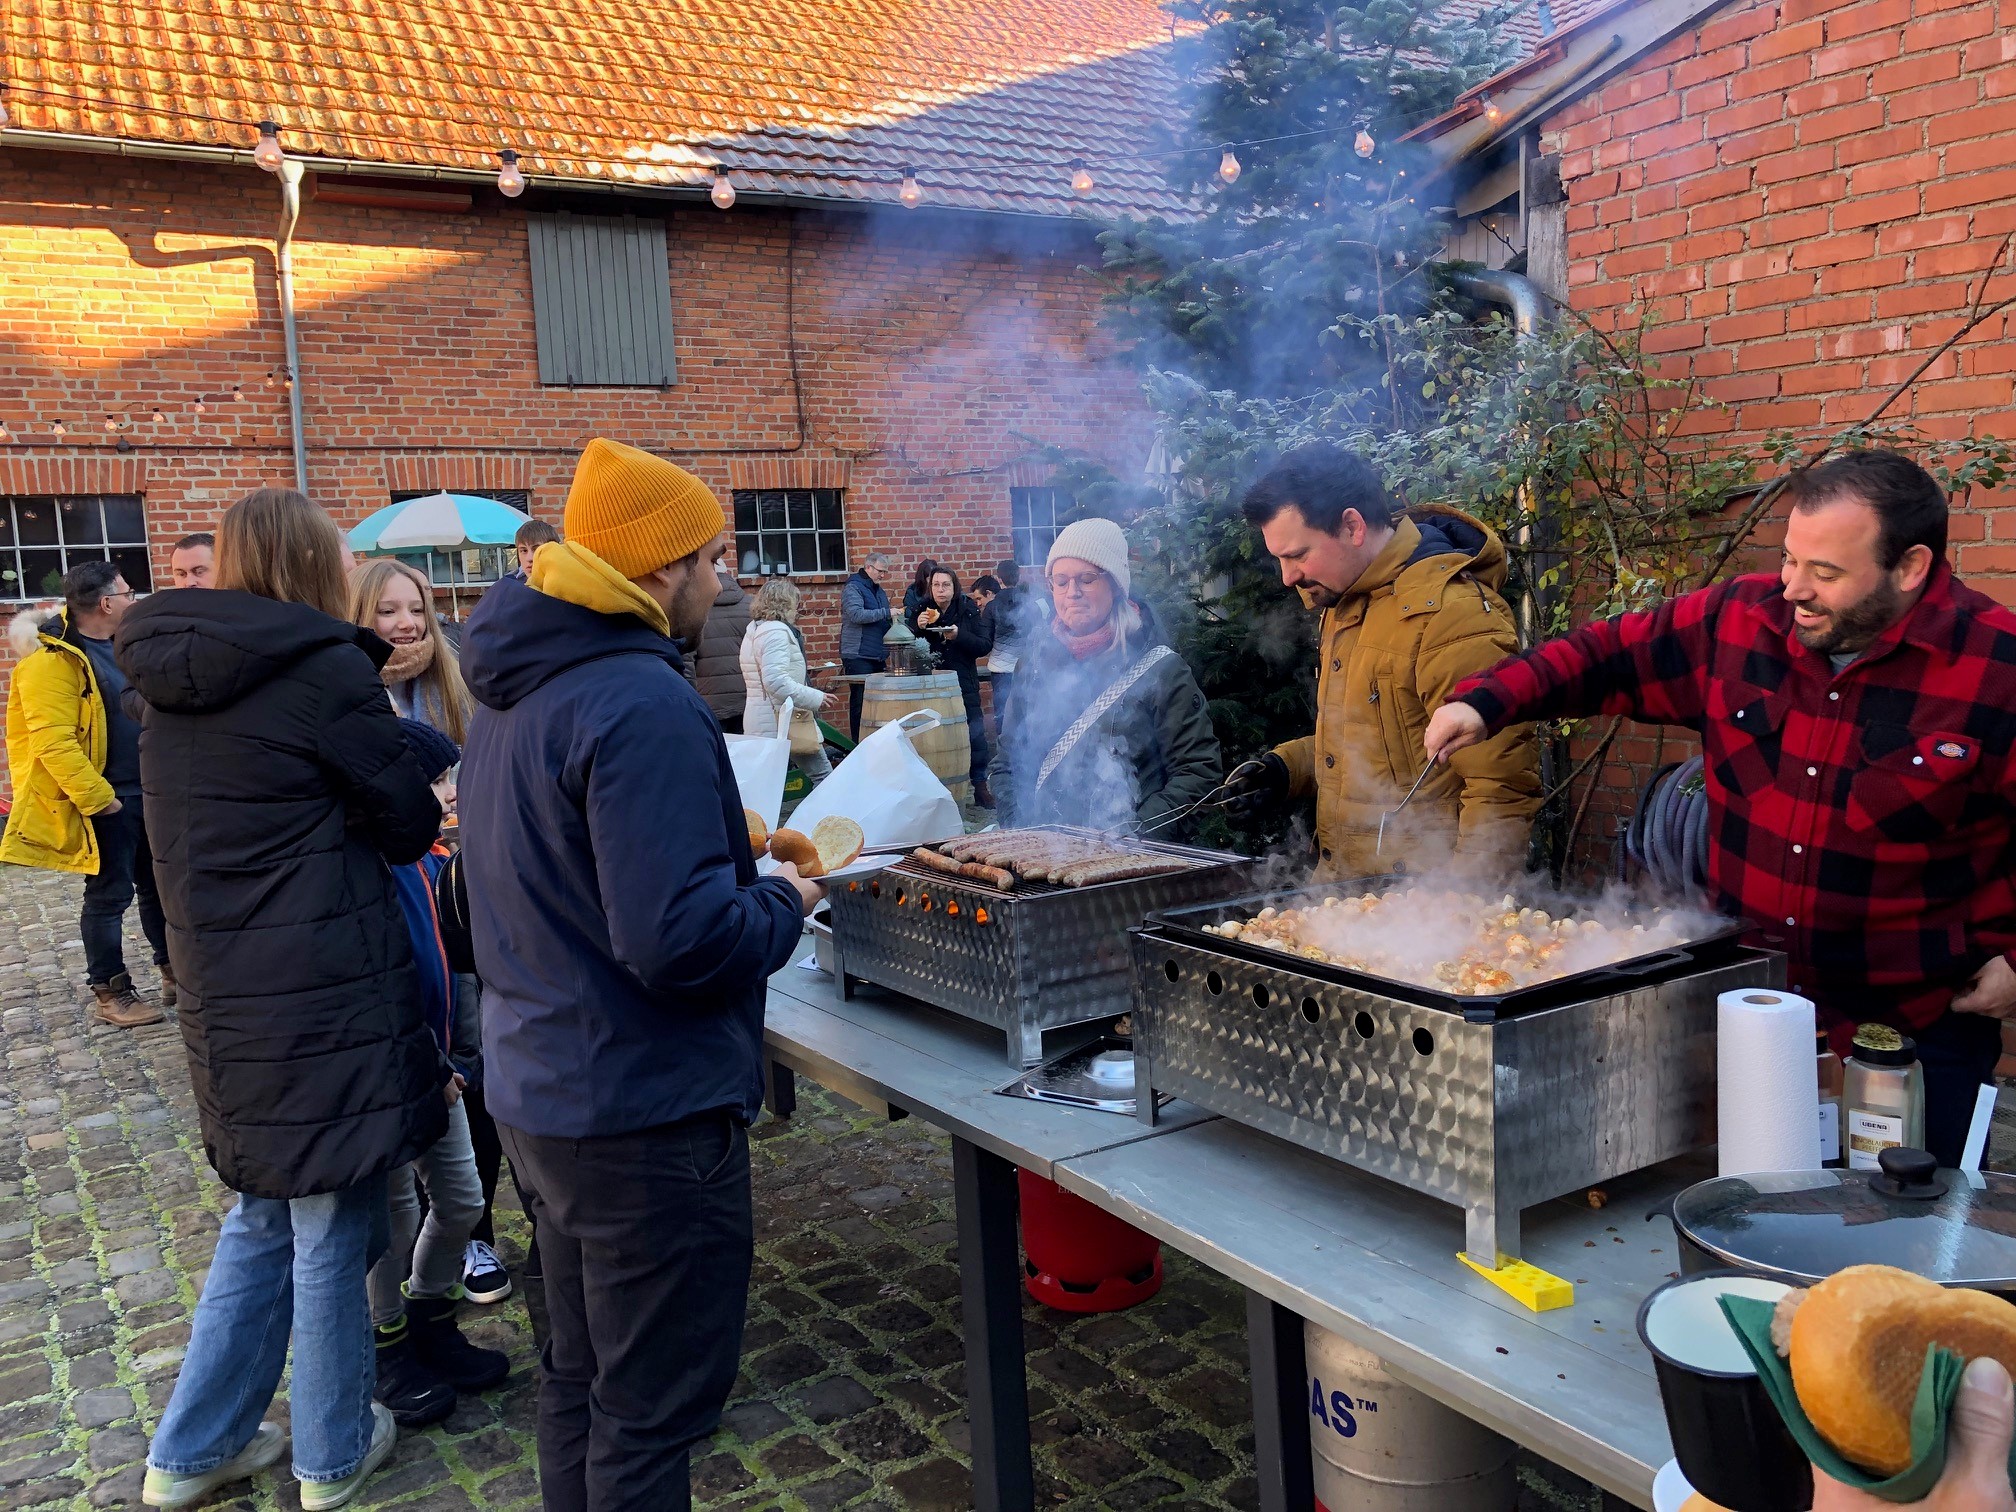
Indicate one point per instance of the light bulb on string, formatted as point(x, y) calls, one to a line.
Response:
point(5, 434)
point(58, 428)
point(200, 407)
point(3, 107)
point(1492, 112)
point(160, 418)
point(912, 191)
point(1363, 144)
point(237, 391)
point(723, 192)
point(1228, 167)
point(1081, 176)
point(510, 179)
point(268, 154)
point(111, 424)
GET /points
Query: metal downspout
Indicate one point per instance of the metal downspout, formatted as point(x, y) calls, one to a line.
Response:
point(290, 174)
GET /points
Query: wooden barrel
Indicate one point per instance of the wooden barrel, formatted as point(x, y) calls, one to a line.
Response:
point(888, 696)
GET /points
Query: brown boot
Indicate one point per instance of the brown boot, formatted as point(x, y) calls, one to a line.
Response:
point(120, 1006)
point(168, 993)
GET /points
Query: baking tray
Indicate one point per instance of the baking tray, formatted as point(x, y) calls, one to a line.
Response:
point(1189, 924)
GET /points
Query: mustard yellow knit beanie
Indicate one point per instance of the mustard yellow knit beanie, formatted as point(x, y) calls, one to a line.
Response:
point(638, 512)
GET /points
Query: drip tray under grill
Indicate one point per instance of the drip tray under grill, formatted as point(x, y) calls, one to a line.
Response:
point(1096, 1075)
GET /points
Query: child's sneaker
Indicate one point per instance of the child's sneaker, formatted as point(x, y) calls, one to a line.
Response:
point(484, 1278)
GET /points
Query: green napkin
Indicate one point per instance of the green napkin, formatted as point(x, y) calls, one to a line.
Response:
point(1938, 1384)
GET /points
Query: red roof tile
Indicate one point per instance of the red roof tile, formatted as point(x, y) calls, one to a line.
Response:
point(828, 99)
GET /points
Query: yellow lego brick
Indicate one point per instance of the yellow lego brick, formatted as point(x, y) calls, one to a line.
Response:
point(1526, 1283)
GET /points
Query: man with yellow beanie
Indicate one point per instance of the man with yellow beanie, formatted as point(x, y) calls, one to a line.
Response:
point(623, 939)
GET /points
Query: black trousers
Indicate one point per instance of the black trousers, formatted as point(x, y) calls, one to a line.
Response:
point(857, 666)
point(1958, 1053)
point(646, 1239)
point(125, 872)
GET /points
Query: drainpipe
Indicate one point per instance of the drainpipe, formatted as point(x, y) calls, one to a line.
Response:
point(290, 174)
point(1514, 291)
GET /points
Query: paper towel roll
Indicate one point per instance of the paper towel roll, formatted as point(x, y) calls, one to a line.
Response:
point(1767, 1082)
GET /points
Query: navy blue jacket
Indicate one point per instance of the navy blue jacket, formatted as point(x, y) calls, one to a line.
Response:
point(621, 933)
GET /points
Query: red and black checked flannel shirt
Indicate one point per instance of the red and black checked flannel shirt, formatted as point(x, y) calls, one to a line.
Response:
point(1865, 816)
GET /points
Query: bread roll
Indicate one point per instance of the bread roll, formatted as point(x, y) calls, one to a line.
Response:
point(759, 832)
point(1858, 1348)
point(789, 845)
point(838, 841)
point(1699, 1503)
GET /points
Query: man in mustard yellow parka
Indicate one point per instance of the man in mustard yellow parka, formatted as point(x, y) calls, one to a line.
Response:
point(74, 756)
point(1412, 605)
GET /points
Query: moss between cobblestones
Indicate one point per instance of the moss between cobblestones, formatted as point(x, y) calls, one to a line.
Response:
point(852, 1385)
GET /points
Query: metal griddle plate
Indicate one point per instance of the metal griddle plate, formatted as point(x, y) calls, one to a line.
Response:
point(1189, 924)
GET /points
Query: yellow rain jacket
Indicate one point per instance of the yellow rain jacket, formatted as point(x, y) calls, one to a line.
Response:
point(1427, 613)
point(55, 749)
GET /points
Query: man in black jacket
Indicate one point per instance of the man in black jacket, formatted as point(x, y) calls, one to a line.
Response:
point(623, 939)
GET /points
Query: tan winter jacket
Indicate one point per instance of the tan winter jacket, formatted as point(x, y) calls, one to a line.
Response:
point(1427, 613)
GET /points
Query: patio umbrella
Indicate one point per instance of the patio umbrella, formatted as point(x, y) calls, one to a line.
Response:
point(442, 521)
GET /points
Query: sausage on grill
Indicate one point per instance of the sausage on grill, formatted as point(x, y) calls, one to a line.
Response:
point(1123, 868)
point(992, 876)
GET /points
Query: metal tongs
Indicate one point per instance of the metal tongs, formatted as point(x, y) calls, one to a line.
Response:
point(1379, 845)
point(1212, 799)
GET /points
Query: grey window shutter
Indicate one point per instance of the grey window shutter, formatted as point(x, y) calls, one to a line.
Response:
point(602, 300)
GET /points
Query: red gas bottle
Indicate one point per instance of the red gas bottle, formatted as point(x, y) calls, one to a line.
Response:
point(1081, 1259)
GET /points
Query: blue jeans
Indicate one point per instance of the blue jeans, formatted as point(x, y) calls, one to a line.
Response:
point(125, 869)
point(282, 1267)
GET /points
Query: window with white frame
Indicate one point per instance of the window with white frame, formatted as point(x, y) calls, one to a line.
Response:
point(794, 530)
point(479, 566)
point(42, 536)
point(1033, 522)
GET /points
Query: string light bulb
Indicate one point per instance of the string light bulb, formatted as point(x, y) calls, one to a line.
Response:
point(5, 434)
point(510, 180)
point(1228, 166)
point(111, 424)
point(1492, 112)
point(723, 192)
point(237, 391)
point(3, 107)
point(912, 191)
point(1363, 144)
point(1081, 176)
point(160, 418)
point(200, 407)
point(58, 428)
point(268, 154)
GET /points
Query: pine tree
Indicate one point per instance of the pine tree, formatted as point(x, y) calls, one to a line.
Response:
point(1265, 319)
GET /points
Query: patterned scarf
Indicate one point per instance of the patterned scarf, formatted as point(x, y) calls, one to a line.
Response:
point(1083, 647)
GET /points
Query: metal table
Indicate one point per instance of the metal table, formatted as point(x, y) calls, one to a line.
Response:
point(1307, 1238)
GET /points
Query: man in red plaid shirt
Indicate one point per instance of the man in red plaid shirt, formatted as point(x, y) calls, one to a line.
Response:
point(1858, 718)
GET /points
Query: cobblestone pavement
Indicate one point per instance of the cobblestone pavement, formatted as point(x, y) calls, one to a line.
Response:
point(852, 1378)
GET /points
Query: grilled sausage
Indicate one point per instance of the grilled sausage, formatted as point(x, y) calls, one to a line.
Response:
point(1117, 869)
point(992, 876)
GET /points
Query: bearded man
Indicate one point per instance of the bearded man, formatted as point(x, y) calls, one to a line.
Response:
point(1858, 716)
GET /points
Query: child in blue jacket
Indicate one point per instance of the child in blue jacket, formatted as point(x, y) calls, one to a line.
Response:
point(423, 1360)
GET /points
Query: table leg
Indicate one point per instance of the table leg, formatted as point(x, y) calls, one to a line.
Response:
point(1280, 1406)
point(990, 1281)
point(782, 1100)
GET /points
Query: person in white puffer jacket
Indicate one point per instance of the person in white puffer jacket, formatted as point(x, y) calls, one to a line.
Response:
point(773, 671)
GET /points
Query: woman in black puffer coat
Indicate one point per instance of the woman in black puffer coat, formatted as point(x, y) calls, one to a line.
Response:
point(278, 788)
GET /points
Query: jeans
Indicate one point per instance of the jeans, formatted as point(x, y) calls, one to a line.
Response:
point(427, 1254)
point(282, 1267)
point(1958, 1053)
point(857, 666)
point(1004, 689)
point(125, 869)
point(647, 1240)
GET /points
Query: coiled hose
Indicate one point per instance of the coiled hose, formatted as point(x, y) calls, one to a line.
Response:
point(1668, 836)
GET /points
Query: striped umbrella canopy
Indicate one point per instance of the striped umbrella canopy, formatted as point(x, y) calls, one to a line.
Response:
point(442, 522)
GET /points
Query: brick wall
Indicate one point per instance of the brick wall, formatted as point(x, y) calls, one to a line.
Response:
point(1804, 192)
point(934, 350)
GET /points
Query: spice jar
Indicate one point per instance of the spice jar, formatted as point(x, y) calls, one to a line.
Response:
point(1883, 1096)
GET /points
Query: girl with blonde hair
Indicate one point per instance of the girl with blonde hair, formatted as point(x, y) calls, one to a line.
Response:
point(424, 676)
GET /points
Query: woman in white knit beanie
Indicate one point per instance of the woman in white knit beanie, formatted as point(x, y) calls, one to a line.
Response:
point(1106, 726)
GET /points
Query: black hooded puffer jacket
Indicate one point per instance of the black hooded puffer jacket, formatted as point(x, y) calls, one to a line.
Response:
point(277, 789)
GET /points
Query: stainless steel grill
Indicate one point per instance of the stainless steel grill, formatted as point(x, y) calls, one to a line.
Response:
point(1491, 1112)
point(1036, 958)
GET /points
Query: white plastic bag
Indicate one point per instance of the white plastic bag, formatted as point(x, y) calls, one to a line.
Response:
point(760, 763)
point(884, 786)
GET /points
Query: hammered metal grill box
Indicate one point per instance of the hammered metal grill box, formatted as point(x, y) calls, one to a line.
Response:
point(1492, 1107)
point(1028, 960)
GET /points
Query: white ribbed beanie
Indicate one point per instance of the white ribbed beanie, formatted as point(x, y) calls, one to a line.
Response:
point(1099, 542)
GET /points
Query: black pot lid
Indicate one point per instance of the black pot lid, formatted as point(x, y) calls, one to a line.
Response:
point(1954, 1227)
